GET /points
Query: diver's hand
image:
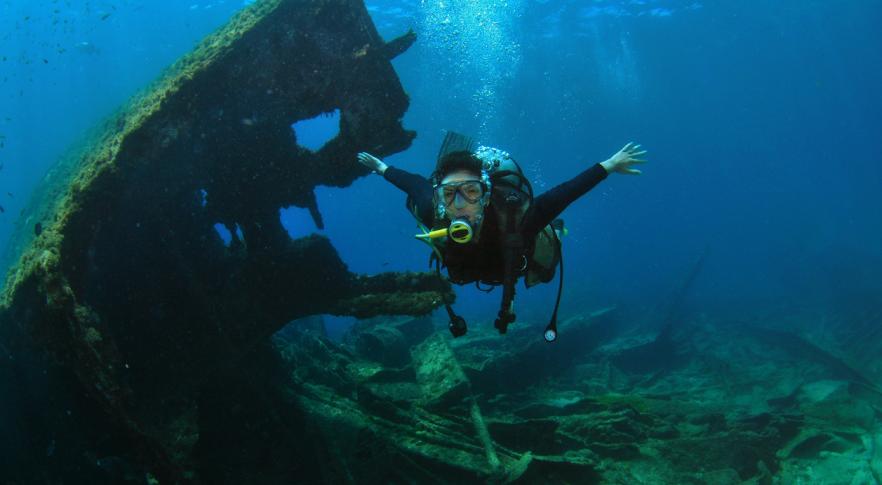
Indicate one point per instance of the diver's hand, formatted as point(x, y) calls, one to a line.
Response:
point(622, 161)
point(372, 162)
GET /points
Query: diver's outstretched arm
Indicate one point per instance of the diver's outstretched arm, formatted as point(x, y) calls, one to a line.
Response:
point(550, 204)
point(418, 188)
point(372, 162)
point(624, 159)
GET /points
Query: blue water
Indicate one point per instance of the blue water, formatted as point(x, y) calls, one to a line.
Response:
point(762, 119)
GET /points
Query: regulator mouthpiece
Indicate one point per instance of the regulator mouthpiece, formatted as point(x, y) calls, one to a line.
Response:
point(460, 231)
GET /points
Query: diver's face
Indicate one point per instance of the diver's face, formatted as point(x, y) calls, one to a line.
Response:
point(462, 193)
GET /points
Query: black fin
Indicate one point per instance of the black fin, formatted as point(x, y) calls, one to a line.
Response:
point(455, 142)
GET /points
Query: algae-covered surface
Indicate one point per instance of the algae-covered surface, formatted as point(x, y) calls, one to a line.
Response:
point(120, 289)
point(99, 149)
point(734, 407)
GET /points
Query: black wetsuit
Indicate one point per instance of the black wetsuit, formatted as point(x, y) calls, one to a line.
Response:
point(483, 261)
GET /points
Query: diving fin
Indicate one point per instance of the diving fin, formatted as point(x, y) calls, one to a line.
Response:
point(456, 142)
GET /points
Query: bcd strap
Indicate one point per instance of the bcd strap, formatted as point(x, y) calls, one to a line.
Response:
point(457, 324)
point(513, 249)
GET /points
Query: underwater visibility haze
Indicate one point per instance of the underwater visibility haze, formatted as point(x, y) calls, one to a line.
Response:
point(206, 283)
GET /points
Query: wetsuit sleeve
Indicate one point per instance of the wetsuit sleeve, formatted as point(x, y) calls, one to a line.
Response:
point(550, 204)
point(418, 190)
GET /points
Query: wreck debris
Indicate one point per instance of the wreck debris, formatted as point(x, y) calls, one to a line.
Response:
point(718, 417)
point(124, 280)
point(662, 353)
point(443, 382)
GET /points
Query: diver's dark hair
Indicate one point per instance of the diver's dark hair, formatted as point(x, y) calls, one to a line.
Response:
point(460, 160)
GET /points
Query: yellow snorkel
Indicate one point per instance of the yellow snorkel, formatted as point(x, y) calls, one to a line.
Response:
point(459, 231)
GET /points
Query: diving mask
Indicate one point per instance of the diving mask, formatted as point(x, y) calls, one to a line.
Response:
point(469, 191)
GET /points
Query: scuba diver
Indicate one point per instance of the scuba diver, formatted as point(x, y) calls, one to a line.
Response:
point(478, 214)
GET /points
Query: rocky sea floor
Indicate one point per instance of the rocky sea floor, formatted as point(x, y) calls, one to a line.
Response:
point(705, 402)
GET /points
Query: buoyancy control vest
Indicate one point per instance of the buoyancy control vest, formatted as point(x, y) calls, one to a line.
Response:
point(510, 199)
